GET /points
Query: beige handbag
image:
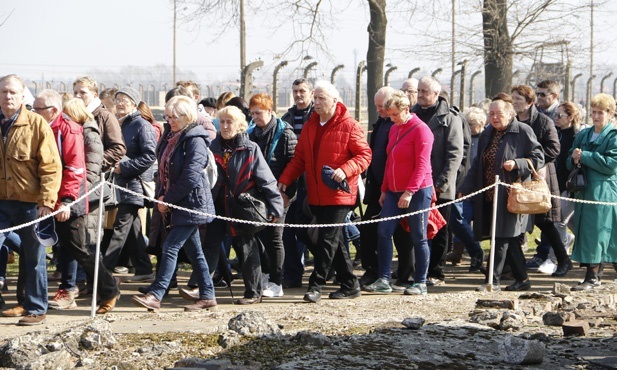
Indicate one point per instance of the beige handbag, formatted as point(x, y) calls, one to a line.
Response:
point(532, 197)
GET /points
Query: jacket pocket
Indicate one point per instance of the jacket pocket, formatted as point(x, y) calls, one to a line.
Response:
point(23, 173)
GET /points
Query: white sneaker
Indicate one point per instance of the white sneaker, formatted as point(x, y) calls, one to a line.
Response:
point(273, 290)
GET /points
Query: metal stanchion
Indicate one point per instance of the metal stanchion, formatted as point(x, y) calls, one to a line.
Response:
point(491, 263)
point(97, 260)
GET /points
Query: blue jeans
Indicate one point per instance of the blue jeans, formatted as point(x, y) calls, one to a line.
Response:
point(33, 271)
point(11, 243)
point(188, 237)
point(460, 215)
point(417, 224)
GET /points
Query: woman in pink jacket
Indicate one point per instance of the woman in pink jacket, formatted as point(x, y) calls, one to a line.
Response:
point(407, 187)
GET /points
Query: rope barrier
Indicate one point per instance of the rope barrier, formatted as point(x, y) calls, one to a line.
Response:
point(54, 213)
point(257, 223)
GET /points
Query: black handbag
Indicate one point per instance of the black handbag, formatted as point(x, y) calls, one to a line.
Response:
point(250, 206)
point(111, 195)
point(577, 180)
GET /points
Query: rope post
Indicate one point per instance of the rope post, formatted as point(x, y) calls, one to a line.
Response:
point(97, 254)
point(491, 257)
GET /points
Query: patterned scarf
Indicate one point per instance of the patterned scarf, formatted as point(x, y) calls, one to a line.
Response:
point(488, 163)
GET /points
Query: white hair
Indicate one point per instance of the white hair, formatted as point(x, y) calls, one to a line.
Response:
point(412, 82)
point(328, 88)
point(431, 82)
point(51, 98)
point(384, 92)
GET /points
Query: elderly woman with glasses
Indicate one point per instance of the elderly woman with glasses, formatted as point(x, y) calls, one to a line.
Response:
point(503, 149)
point(183, 155)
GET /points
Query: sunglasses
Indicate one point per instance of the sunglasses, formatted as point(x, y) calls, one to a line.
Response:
point(561, 115)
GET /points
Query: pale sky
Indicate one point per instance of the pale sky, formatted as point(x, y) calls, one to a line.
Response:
point(67, 38)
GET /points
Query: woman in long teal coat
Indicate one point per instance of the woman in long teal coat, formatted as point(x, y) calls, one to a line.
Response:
point(595, 149)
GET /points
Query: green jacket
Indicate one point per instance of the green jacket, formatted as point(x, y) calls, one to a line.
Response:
point(595, 225)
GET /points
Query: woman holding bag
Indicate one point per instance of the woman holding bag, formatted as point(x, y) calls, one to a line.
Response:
point(242, 170)
point(503, 149)
point(595, 150)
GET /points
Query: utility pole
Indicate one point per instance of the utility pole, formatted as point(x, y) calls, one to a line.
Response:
point(174, 61)
point(453, 60)
point(242, 37)
point(589, 84)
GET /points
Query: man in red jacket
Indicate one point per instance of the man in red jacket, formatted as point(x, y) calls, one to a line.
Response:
point(331, 137)
point(71, 220)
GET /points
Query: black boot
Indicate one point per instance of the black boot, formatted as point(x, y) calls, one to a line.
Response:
point(591, 281)
point(563, 268)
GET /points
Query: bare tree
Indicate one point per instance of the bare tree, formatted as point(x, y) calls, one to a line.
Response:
point(376, 54)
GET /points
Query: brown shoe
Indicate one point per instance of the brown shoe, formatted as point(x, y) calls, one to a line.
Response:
point(107, 305)
point(245, 301)
point(189, 294)
point(202, 304)
point(16, 311)
point(148, 301)
point(31, 320)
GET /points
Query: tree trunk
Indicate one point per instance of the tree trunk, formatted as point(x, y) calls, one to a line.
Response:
point(375, 55)
point(497, 47)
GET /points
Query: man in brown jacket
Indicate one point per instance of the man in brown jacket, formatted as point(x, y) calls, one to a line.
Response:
point(30, 175)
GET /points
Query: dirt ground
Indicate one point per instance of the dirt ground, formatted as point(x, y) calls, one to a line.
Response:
point(450, 302)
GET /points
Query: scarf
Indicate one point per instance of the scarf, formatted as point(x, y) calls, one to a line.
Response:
point(172, 141)
point(265, 135)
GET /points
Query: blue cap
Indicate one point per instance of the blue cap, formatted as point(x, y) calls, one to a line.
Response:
point(326, 177)
point(45, 232)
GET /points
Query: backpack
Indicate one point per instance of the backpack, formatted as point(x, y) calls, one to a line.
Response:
point(211, 171)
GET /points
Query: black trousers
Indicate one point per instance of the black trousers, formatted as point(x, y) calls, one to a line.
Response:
point(247, 249)
point(368, 240)
point(127, 228)
point(439, 246)
point(508, 250)
point(72, 236)
point(272, 239)
point(331, 251)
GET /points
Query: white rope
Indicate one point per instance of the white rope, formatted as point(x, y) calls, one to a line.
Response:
point(30, 223)
point(257, 223)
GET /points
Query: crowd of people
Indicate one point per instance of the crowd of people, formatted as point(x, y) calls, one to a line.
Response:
point(224, 156)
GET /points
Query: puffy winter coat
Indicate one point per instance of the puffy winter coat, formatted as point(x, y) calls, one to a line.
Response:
point(94, 153)
point(70, 140)
point(140, 140)
point(596, 234)
point(343, 145)
point(188, 184)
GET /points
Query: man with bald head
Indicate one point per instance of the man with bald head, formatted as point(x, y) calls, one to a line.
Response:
point(29, 186)
point(374, 177)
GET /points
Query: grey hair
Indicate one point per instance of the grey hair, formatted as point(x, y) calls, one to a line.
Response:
point(51, 98)
point(328, 88)
point(432, 83)
point(410, 81)
point(13, 77)
point(475, 116)
point(384, 92)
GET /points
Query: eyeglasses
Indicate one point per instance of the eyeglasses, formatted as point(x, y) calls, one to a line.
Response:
point(561, 115)
point(35, 109)
point(172, 118)
point(541, 95)
point(123, 101)
point(412, 92)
